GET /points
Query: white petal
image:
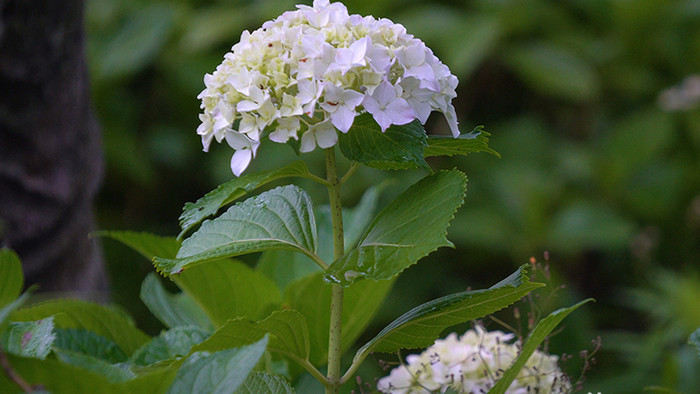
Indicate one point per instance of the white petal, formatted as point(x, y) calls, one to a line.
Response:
point(325, 135)
point(342, 118)
point(308, 143)
point(240, 161)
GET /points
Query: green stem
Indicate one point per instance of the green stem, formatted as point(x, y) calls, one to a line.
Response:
point(334, 345)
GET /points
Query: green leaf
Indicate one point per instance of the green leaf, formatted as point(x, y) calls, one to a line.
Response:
point(281, 218)
point(172, 343)
point(29, 339)
point(173, 310)
point(209, 205)
point(87, 342)
point(11, 278)
point(148, 245)
point(220, 372)
point(284, 266)
point(538, 334)
point(110, 323)
point(398, 147)
point(113, 373)
point(411, 227)
point(226, 289)
point(694, 340)
point(288, 330)
point(476, 141)
point(311, 296)
point(419, 327)
point(265, 383)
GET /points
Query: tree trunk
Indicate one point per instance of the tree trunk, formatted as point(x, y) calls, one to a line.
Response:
point(50, 153)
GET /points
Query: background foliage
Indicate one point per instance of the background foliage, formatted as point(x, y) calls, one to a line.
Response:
point(593, 169)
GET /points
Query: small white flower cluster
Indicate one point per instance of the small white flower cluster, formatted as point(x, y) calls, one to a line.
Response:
point(311, 71)
point(473, 364)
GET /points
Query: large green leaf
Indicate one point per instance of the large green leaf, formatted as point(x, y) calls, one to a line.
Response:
point(538, 334)
point(87, 342)
point(226, 193)
point(288, 330)
point(398, 147)
point(173, 310)
point(281, 218)
point(311, 296)
point(476, 141)
point(11, 278)
point(110, 323)
point(419, 327)
point(30, 338)
point(284, 266)
point(172, 343)
point(226, 289)
point(148, 245)
point(265, 383)
point(220, 372)
point(411, 227)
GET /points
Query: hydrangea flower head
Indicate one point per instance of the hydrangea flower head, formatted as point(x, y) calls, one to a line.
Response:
point(473, 363)
point(308, 73)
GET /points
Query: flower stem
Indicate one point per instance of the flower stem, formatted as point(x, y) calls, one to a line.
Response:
point(334, 346)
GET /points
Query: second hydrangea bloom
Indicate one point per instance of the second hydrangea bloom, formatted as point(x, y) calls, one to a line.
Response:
point(472, 364)
point(311, 71)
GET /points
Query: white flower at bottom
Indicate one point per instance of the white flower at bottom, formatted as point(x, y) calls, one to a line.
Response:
point(473, 364)
point(322, 133)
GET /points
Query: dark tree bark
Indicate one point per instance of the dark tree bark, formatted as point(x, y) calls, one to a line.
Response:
point(50, 152)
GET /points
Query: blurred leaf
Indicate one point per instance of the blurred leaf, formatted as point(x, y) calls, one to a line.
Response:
point(11, 277)
point(538, 334)
point(224, 194)
point(356, 219)
point(585, 224)
point(281, 218)
point(265, 383)
point(212, 26)
point(173, 310)
point(411, 227)
point(29, 339)
point(694, 340)
point(476, 141)
point(169, 344)
point(113, 373)
point(87, 342)
point(462, 40)
point(419, 327)
point(137, 43)
point(311, 297)
point(219, 372)
point(284, 266)
point(148, 245)
point(398, 147)
point(226, 289)
point(54, 377)
point(110, 323)
point(289, 334)
point(8, 309)
point(554, 71)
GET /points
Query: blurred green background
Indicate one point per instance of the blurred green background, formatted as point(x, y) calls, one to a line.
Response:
point(596, 168)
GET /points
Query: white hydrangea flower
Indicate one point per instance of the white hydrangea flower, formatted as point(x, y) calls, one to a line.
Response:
point(308, 73)
point(473, 363)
